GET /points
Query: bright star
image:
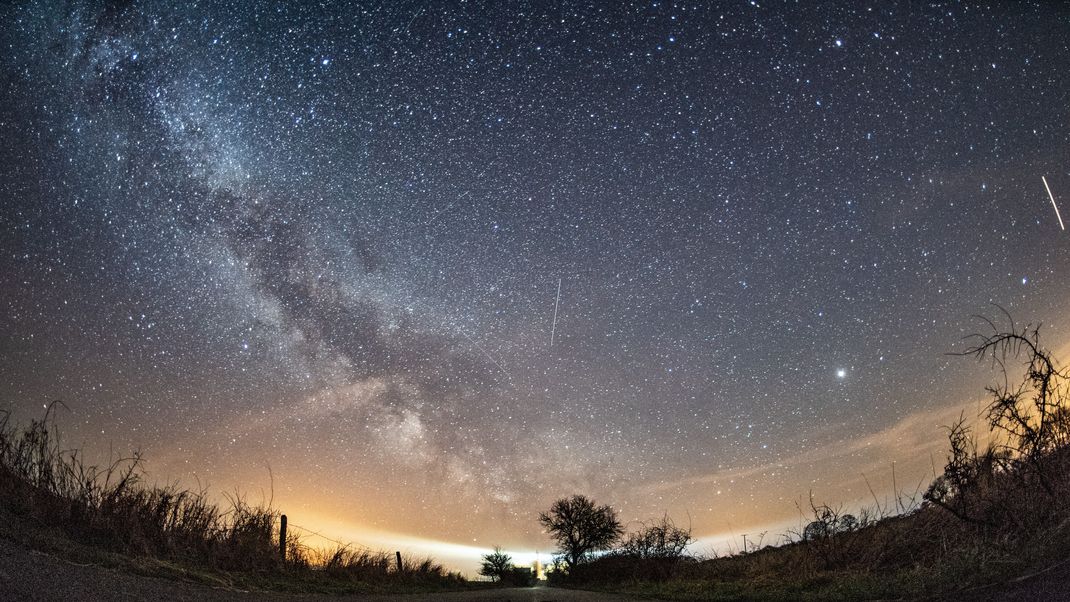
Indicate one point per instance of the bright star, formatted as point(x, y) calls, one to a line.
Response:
point(841, 373)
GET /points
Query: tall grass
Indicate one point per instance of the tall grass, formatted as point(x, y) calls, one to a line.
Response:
point(360, 564)
point(111, 507)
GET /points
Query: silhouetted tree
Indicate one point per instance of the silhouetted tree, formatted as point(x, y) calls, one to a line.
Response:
point(496, 564)
point(580, 527)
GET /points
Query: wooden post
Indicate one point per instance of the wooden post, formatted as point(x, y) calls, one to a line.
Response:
point(282, 538)
point(400, 567)
point(744, 543)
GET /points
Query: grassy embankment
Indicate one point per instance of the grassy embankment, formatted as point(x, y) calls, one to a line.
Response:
point(996, 513)
point(51, 499)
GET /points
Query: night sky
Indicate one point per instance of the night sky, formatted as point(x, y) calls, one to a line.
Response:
point(326, 241)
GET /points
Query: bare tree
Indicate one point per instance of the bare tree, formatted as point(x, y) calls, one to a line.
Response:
point(580, 527)
point(496, 564)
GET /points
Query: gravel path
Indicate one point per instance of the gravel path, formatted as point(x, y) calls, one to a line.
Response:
point(30, 575)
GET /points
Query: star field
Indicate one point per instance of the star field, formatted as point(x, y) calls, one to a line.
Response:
point(327, 238)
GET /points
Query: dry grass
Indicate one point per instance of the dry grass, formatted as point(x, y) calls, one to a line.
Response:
point(111, 508)
point(924, 552)
point(993, 514)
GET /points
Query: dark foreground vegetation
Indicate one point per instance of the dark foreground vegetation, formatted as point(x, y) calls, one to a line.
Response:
point(996, 513)
point(51, 498)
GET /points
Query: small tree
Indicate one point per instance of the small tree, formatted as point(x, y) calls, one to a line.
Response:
point(496, 564)
point(580, 527)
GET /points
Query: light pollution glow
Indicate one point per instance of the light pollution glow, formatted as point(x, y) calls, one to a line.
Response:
point(863, 466)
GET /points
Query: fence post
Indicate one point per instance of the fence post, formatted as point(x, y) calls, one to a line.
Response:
point(400, 567)
point(282, 538)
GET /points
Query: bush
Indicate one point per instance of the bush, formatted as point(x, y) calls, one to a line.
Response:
point(656, 548)
point(518, 576)
point(1029, 454)
point(657, 540)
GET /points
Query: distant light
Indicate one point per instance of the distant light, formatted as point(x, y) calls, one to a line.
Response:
point(839, 43)
point(1025, 280)
point(841, 373)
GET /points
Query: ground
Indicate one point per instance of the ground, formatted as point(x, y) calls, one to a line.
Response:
point(32, 575)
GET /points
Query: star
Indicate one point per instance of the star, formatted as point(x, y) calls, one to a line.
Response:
point(471, 257)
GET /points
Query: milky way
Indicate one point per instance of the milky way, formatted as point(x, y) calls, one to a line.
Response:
point(337, 240)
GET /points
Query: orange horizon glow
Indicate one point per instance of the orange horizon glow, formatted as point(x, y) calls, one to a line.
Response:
point(914, 445)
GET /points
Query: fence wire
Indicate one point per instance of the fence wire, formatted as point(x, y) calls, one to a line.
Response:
point(322, 536)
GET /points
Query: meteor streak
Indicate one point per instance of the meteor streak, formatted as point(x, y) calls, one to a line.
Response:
point(1046, 187)
point(553, 328)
